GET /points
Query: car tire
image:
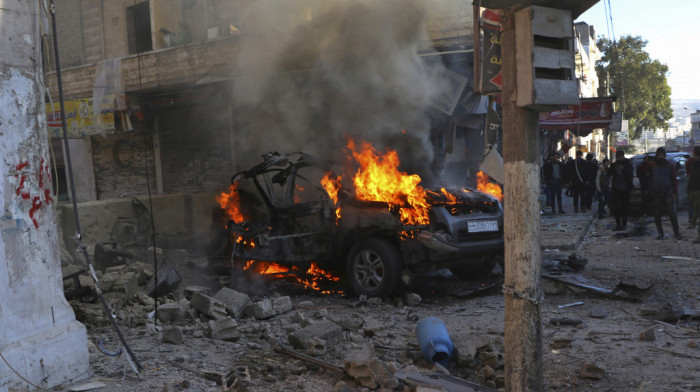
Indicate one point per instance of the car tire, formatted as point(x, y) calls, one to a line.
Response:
point(480, 268)
point(373, 267)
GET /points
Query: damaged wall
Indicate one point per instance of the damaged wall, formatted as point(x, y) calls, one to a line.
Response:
point(120, 164)
point(39, 336)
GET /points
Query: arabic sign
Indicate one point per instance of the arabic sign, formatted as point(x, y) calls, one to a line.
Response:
point(591, 113)
point(80, 119)
point(489, 78)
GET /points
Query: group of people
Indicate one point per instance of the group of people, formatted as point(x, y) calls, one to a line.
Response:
point(581, 178)
point(611, 183)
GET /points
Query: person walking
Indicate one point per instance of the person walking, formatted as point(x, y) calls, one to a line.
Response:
point(602, 183)
point(577, 174)
point(693, 170)
point(620, 174)
point(554, 178)
point(663, 190)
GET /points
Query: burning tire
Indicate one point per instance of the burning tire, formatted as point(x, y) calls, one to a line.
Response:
point(373, 267)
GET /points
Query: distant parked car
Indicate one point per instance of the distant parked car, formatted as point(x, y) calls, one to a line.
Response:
point(678, 159)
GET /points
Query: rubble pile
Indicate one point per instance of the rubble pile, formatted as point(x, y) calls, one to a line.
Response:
point(352, 345)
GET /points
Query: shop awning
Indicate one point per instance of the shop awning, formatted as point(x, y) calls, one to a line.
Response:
point(591, 113)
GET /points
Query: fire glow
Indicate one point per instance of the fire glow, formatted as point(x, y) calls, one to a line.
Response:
point(311, 279)
point(231, 203)
point(483, 184)
point(332, 186)
point(378, 179)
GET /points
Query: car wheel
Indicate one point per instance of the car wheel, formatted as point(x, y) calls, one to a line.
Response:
point(373, 268)
point(476, 269)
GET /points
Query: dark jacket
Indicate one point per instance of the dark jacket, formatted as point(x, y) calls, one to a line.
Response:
point(577, 170)
point(549, 171)
point(621, 173)
point(692, 167)
point(662, 177)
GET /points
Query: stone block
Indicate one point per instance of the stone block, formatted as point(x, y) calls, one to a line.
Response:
point(127, 284)
point(261, 310)
point(190, 291)
point(107, 282)
point(282, 305)
point(413, 299)
point(209, 306)
point(329, 331)
point(369, 371)
point(171, 312)
point(224, 329)
point(173, 335)
point(235, 301)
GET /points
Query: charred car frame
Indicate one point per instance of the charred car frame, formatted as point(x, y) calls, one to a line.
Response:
point(290, 219)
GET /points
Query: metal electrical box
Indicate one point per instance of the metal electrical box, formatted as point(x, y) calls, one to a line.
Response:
point(545, 67)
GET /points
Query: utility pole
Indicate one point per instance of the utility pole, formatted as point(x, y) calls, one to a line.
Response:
point(41, 343)
point(523, 336)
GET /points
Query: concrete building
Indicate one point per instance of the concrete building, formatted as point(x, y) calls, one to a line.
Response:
point(586, 54)
point(169, 78)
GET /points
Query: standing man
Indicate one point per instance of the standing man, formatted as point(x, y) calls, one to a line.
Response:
point(577, 174)
point(589, 183)
point(620, 174)
point(643, 175)
point(663, 190)
point(693, 170)
point(554, 178)
point(602, 184)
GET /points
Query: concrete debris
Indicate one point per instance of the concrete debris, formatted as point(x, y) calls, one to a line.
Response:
point(261, 310)
point(235, 301)
point(413, 299)
point(326, 330)
point(598, 311)
point(224, 329)
point(282, 305)
point(190, 291)
point(592, 371)
point(209, 306)
point(173, 335)
point(171, 312)
point(369, 371)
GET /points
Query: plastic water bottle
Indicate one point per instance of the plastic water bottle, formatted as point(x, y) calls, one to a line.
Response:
point(434, 340)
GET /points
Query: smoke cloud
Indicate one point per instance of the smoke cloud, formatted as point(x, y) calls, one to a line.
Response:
point(313, 73)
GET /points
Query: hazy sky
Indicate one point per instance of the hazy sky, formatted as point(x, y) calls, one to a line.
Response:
point(672, 29)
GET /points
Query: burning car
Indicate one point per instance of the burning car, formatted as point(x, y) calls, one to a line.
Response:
point(294, 210)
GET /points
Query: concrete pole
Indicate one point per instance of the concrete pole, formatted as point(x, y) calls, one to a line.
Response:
point(41, 343)
point(523, 334)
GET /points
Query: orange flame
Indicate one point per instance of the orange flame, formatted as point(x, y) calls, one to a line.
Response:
point(332, 187)
point(450, 197)
point(483, 184)
point(378, 179)
point(314, 274)
point(231, 203)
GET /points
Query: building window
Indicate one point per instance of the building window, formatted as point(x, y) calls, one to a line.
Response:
point(138, 25)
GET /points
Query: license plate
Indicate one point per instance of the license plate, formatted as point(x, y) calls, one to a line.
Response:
point(481, 226)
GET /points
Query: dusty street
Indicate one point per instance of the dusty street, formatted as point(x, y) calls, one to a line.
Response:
point(644, 337)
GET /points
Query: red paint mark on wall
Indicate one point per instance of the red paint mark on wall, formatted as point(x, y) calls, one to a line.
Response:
point(42, 194)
